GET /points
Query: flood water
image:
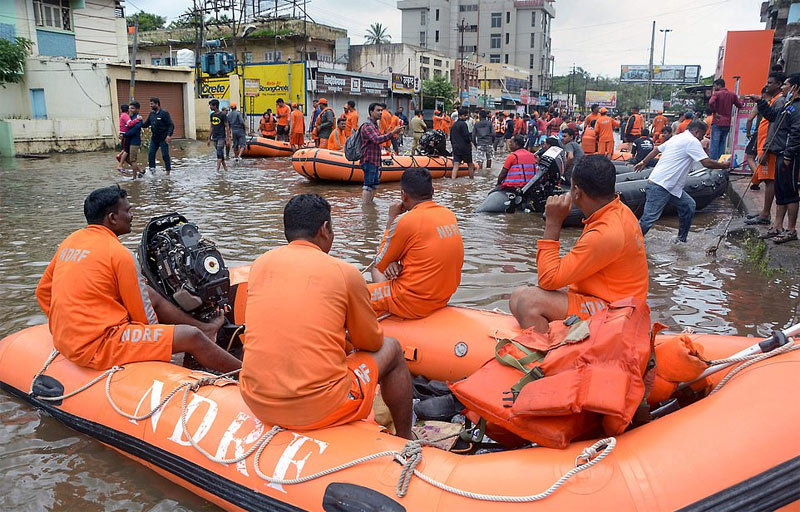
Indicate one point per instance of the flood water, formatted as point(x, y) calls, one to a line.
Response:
point(45, 466)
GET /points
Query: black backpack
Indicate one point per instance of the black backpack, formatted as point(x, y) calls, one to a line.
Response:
point(352, 146)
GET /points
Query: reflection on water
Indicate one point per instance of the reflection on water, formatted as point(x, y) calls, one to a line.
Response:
point(43, 465)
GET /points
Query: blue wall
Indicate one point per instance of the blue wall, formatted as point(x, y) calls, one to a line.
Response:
point(8, 20)
point(56, 44)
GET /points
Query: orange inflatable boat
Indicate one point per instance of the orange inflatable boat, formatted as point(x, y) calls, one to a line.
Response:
point(263, 147)
point(736, 450)
point(326, 165)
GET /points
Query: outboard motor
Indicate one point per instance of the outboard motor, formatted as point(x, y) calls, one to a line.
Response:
point(188, 270)
point(533, 195)
point(433, 143)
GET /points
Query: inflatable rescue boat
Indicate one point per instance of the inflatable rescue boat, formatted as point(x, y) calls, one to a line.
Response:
point(736, 450)
point(325, 165)
point(263, 147)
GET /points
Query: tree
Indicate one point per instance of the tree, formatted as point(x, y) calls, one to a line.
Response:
point(12, 59)
point(377, 34)
point(147, 21)
point(438, 87)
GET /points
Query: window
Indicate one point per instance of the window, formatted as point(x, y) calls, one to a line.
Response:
point(437, 14)
point(437, 63)
point(497, 19)
point(468, 48)
point(506, 58)
point(544, 22)
point(437, 36)
point(155, 61)
point(508, 17)
point(494, 41)
point(471, 28)
point(422, 39)
point(437, 72)
point(424, 73)
point(273, 56)
point(533, 18)
point(507, 38)
point(494, 58)
point(247, 56)
point(53, 14)
point(423, 17)
point(468, 8)
point(533, 40)
point(533, 60)
point(425, 60)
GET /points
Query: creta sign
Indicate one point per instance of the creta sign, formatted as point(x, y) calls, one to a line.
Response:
point(331, 83)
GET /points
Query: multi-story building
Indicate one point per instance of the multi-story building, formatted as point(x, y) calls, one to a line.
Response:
point(76, 76)
point(514, 32)
point(782, 17)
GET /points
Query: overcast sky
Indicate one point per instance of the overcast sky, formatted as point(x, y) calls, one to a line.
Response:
point(598, 35)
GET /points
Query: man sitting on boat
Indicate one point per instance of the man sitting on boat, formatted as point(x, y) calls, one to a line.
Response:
point(100, 311)
point(607, 263)
point(304, 310)
point(418, 266)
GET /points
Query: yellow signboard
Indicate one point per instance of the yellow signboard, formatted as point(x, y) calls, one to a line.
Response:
point(273, 81)
point(602, 98)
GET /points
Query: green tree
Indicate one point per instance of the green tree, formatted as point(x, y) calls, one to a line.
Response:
point(377, 34)
point(12, 59)
point(147, 21)
point(438, 87)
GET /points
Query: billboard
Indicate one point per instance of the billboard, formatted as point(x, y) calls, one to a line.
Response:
point(331, 82)
point(606, 99)
point(671, 74)
point(273, 83)
point(404, 84)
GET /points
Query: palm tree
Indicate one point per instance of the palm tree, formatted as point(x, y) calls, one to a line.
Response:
point(377, 34)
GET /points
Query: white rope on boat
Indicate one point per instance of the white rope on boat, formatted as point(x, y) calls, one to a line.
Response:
point(751, 360)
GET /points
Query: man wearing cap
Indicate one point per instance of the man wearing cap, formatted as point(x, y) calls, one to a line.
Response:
point(437, 120)
point(324, 123)
point(236, 123)
point(604, 128)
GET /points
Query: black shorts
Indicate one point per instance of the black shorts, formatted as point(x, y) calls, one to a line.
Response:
point(630, 138)
point(463, 157)
point(751, 145)
point(786, 190)
point(282, 129)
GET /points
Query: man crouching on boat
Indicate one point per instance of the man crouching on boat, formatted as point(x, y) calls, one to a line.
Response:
point(101, 313)
point(303, 306)
point(607, 263)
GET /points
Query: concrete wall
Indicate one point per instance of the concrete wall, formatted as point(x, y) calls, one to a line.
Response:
point(98, 33)
point(46, 135)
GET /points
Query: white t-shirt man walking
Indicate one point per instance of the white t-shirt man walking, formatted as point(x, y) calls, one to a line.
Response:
point(666, 182)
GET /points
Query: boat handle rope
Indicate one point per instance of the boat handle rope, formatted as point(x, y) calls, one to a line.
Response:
point(749, 360)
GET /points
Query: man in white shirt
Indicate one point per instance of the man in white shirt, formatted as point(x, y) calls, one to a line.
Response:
point(665, 185)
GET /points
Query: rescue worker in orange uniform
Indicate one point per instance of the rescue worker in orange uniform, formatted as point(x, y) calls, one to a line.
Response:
point(267, 125)
point(100, 311)
point(385, 125)
point(418, 266)
point(297, 127)
point(607, 263)
point(604, 127)
point(325, 123)
point(305, 375)
point(352, 117)
point(634, 125)
point(338, 136)
point(437, 120)
point(447, 123)
point(659, 122)
point(589, 139)
point(282, 112)
point(593, 116)
point(687, 118)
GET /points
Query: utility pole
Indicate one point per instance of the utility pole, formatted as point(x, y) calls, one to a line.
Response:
point(133, 57)
point(650, 68)
point(664, 49)
point(462, 27)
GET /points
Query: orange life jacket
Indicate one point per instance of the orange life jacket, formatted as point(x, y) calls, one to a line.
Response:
point(552, 388)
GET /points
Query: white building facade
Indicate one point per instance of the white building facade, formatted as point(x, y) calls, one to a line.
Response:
point(514, 32)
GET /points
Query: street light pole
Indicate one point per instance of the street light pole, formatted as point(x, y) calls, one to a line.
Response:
point(664, 49)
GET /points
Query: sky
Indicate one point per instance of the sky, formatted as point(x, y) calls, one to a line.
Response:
point(597, 35)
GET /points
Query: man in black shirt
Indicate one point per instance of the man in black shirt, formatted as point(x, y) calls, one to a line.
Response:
point(509, 131)
point(220, 133)
point(642, 147)
point(161, 129)
point(461, 140)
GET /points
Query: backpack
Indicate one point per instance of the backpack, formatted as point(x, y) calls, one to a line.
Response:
point(352, 146)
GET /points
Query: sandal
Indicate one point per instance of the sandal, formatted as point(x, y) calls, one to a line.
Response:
point(771, 233)
point(786, 236)
point(757, 221)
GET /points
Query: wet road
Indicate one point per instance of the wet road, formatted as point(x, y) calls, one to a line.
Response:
point(45, 466)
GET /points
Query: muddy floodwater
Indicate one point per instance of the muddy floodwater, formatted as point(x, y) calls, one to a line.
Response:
point(45, 466)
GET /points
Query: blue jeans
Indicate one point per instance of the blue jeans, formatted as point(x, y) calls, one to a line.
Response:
point(372, 175)
point(719, 137)
point(657, 199)
point(151, 154)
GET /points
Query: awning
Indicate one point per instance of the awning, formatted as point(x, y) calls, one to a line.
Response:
point(512, 98)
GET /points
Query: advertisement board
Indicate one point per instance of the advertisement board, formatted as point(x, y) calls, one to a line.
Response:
point(739, 134)
point(331, 82)
point(523, 96)
point(606, 99)
point(403, 84)
point(252, 87)
point(670, 74)
point(273, 83)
